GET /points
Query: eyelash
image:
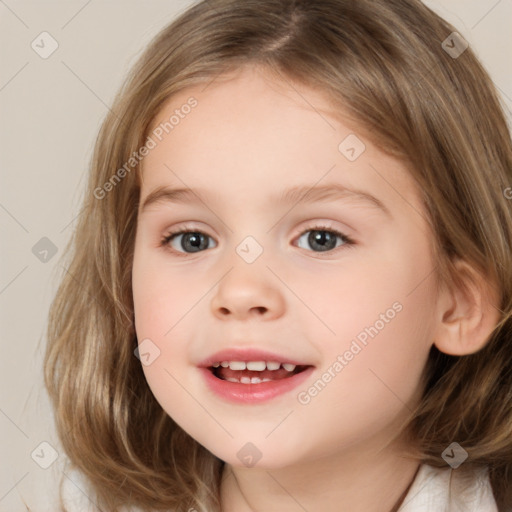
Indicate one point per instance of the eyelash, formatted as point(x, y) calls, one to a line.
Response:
point(348, 242)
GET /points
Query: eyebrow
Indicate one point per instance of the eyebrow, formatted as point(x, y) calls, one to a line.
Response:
point(302, 194)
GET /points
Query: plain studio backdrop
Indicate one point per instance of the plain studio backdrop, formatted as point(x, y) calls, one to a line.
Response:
point(62, 62)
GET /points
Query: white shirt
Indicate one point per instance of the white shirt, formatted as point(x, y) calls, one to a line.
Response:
point(449, 490)
point(433, 490)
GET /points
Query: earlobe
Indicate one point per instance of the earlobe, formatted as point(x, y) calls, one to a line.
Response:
point(467, 314)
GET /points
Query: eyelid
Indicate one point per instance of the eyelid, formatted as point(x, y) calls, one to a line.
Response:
point(325, 225)
point(185, 226)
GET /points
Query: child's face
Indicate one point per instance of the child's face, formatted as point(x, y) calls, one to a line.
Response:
point(244, 144)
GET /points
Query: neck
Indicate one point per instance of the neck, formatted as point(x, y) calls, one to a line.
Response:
point(356, 481)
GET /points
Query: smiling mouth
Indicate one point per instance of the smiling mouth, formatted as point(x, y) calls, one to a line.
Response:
point(228, 372)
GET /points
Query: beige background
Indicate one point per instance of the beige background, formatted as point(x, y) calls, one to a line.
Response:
point(51, 110)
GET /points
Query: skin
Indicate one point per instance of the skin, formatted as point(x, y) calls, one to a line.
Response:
point(249, 137)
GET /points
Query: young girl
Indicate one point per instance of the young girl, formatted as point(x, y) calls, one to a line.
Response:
point(291, 285)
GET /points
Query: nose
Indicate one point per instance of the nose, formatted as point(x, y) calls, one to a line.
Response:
point(245, 293)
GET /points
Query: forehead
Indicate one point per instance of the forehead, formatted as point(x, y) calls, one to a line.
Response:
point(252, 134)
point(248, 107)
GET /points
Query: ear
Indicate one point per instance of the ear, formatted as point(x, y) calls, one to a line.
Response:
point(467, 314)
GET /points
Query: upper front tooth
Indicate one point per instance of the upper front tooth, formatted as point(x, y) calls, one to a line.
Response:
point(257, 366)
point(237, 365)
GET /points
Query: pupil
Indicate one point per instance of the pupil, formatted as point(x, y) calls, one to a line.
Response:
point(323, 239)
point(194, 239)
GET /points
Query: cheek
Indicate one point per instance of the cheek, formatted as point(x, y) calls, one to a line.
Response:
point(386, 294)
point(383, 322)
point(162, 296)
point(371, 372)
point(167, 305)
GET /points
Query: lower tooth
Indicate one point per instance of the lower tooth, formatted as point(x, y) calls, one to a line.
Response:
point(248, 380)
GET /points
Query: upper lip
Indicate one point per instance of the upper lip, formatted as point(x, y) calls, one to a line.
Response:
point(247, 354)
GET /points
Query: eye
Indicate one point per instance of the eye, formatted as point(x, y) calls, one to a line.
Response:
point(189, 241)
point(324, 238)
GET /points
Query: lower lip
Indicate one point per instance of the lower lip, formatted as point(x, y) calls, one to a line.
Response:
point(254, 393)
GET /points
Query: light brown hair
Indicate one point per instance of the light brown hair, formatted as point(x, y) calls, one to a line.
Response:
point(382, 62)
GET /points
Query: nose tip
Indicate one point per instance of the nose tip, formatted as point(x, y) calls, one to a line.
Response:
point(246, 295)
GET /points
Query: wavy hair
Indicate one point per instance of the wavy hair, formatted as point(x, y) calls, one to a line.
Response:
point(383, 64)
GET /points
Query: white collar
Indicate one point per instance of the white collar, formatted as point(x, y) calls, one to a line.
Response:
point(433, 490)
point(449, 490)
